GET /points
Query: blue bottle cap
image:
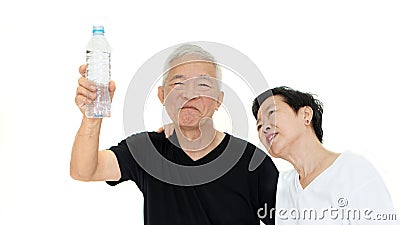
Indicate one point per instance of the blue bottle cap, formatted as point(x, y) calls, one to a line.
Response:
point(98, 29)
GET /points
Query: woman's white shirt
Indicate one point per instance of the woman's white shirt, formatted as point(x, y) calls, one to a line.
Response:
point(350, 191)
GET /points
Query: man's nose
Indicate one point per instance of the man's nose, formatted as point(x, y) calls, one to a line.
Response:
point(189, 90)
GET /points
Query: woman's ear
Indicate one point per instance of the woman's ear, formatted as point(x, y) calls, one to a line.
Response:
point(307, 115)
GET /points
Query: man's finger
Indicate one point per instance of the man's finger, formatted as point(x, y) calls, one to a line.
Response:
point(111, 88)
point(85, 92)
point(169, 130)
point(160, 130)
point(82, 70)
point(81, 101)
point(87, 84)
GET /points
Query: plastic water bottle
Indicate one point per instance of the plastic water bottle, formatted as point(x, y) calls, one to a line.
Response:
point(98, 54)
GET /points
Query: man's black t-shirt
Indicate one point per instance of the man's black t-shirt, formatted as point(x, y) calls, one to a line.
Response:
point(236, 197)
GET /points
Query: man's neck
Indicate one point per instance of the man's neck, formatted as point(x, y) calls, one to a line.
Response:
point(197, 142)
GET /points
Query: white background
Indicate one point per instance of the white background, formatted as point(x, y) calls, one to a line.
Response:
point(347, 52)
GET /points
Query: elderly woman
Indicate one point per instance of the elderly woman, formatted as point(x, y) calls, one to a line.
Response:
point(324, 187)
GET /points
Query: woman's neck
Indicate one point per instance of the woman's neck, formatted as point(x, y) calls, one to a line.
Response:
point(310, 159)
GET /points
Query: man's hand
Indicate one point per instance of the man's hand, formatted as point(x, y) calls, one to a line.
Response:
point(86, 90)
point(168, 129)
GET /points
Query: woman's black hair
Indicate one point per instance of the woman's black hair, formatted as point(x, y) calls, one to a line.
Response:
point(296, 100)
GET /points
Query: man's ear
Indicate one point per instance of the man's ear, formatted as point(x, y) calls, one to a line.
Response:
point(220, 99)
point(160, 94)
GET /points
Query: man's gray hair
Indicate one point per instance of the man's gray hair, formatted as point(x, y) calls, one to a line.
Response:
point(191, 50)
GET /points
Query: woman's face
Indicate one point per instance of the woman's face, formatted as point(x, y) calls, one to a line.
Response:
point(279, 127)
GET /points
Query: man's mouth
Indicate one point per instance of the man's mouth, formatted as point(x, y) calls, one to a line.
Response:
point(189, 107)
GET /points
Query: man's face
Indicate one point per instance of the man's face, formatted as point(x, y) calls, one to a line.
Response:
point(190, 93)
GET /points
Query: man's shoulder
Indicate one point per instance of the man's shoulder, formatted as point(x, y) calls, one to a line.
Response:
point(239, 140)
point(252, 153)
point(154, 136)
point(250, 147)
point(145, 138)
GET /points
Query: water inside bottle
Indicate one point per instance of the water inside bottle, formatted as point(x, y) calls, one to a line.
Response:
point(101, 106)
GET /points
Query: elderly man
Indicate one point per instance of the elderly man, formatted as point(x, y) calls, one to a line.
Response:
point(190, 93)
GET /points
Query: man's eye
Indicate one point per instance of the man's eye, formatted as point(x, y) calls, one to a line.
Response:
point(178, 83)
point(271, 111)
point(204, 85)
point(259, 127)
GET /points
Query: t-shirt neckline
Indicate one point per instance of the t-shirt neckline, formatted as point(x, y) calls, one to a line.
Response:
point(310, 185)
point(215, 153)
